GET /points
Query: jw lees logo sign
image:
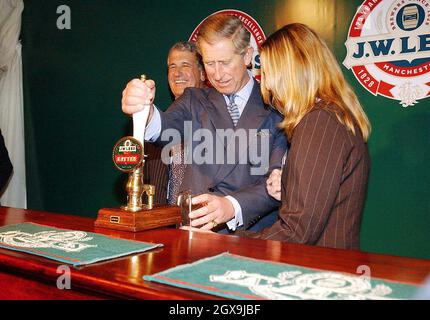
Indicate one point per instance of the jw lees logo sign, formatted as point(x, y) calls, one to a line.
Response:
point(257, 37)
point(388, 49)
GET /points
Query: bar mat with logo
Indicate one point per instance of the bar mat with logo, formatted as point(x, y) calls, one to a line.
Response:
point(69, 246)
point(244, 278)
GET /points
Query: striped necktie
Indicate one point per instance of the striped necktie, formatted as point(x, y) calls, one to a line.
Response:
point(176, 173)
point(233, 109)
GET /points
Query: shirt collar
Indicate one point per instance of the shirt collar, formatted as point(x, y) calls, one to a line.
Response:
point(244, 93)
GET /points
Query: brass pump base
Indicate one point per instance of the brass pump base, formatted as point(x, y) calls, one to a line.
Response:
point(137, 215)
point(118, 219)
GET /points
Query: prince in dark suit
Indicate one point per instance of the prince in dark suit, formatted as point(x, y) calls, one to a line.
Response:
point(231, 138)
point(206, 109)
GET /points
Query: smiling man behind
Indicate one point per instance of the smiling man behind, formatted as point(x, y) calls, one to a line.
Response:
point(184, 70)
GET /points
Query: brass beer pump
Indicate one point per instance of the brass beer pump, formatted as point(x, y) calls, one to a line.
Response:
point(135, 189)
point(128, 156)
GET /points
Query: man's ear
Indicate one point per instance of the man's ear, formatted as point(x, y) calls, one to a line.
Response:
point(248, 55)
point(202, 75)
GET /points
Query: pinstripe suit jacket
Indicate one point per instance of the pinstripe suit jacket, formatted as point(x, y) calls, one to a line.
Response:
point(156, 172)
point(323, 185)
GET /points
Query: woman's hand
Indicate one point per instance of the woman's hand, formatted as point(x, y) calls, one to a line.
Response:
point(273, 184)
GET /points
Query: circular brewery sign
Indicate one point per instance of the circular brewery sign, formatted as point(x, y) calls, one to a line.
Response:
point(388, 49)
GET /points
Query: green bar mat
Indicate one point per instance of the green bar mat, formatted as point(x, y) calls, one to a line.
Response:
point(238, 277)
point(73, 247)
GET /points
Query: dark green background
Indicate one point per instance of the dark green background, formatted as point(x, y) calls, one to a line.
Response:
point(73, 81)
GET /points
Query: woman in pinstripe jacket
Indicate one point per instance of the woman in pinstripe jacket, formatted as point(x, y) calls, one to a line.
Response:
point(323, 183)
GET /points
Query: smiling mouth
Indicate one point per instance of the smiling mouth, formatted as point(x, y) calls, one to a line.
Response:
point(223, 83)
point(180, 81)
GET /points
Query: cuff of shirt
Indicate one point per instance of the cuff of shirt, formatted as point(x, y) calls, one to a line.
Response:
point(153, 128)
point(237, 221)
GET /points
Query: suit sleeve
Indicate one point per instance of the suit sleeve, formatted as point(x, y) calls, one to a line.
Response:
point(254, 200)
point(173, 120)
point(5, 164)
point(311, 181)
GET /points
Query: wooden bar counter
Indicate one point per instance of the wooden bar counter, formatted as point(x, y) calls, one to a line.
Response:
point(25, 276)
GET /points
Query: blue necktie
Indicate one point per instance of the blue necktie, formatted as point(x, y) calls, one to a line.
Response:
point(233, 109)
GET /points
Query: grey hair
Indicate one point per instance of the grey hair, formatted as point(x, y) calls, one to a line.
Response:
point(187, 46)
point(224, 26)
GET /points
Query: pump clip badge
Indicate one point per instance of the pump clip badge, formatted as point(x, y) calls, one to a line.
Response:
point(127, 154)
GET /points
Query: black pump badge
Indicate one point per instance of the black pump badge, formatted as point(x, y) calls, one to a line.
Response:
point(127, 154)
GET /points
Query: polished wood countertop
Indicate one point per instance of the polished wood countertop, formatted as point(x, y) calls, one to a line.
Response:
point(25, 276)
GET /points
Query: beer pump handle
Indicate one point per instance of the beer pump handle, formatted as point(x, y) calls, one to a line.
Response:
point(140, 119)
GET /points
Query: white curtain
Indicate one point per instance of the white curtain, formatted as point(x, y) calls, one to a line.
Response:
point(11, 100)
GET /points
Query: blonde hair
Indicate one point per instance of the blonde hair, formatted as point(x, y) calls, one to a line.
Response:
point(224, 26)
point(298, 69)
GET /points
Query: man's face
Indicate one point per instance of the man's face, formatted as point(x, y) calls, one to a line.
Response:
point(225, 69)
point(183, 72)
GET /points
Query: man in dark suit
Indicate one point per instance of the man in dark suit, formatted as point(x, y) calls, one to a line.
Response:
point(5, 165)
point(230, 177)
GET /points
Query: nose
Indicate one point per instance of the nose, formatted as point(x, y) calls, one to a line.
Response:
point(218, 72)
point(178, 72)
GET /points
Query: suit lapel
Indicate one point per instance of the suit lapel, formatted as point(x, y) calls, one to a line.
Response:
point(252, 117)
point(255, 112)
point(219, 118)
point(217, 110)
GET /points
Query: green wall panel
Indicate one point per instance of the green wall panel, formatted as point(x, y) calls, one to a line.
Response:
point(73, 81)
